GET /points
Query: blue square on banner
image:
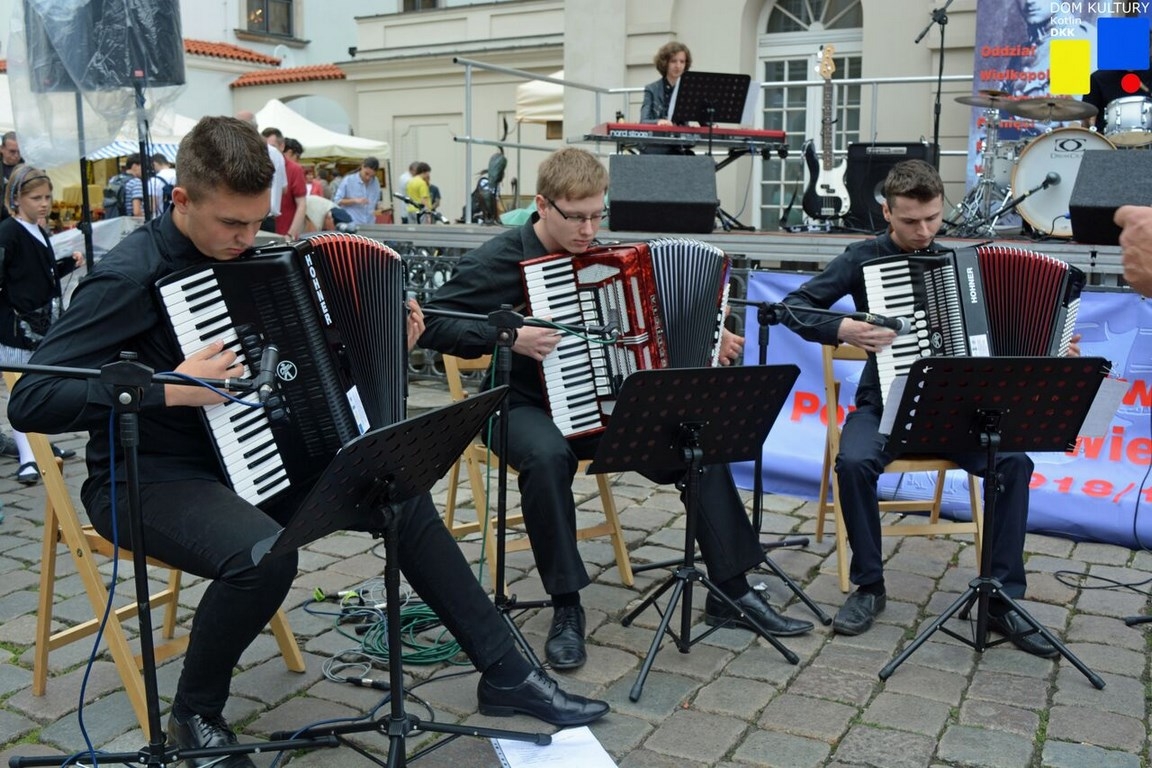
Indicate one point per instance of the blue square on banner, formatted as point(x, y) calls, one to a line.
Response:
point(1122, 43)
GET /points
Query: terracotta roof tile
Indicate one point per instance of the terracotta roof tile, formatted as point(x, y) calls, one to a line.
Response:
point(228, 51)
point(290, 75)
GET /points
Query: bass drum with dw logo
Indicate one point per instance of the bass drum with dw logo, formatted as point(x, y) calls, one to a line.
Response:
point(1060, 152)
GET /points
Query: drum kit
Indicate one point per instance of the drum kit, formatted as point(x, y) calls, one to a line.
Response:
point(1033, 177)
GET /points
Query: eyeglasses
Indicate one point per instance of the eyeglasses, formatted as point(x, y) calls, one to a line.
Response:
point(593, 219)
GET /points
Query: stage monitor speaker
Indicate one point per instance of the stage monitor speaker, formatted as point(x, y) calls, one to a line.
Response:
point(662, 193)
point(110, 43)
point(868, 166)
point(1107, 179)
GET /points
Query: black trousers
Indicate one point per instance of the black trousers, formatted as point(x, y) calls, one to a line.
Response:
point(546, 463)
point(858, 467)
point(202, 527)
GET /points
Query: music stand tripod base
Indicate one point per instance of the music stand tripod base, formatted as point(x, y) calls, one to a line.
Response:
point(953, 405)
point(364, 488)
point(661, 425)
point(126, 380)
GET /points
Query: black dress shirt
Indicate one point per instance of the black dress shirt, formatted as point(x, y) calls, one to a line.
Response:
point(487, 278)
point(844, 276)
point(29, 276)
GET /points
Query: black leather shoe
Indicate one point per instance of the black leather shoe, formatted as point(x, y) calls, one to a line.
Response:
point(62, 453)
point(564, 648)
point(201, 732)
point(858, 612)
point(753, 604)
point(1023, 635)
point(541, 697)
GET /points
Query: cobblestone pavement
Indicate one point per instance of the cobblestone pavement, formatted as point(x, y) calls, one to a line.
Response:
point(732, 701)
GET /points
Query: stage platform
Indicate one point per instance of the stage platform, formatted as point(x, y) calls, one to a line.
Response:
point(791, 251)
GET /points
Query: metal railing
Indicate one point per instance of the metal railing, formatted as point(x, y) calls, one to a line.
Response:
point(468, 139)
point(602, 95)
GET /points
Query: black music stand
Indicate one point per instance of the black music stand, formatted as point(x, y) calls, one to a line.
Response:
point(663, 423)
point(362, 489)
point(964, 404)
point(708, 98)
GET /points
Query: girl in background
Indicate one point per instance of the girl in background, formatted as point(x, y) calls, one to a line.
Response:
point(30, 292)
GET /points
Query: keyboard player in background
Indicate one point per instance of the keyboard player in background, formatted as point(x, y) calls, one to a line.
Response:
point(570, 192)
point(914, 203)
point(672, 60)
point(192, 520)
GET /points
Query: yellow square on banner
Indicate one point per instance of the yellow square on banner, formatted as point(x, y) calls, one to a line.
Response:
point(1071, 64)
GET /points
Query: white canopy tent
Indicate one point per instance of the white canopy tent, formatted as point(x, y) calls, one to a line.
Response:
point(319, 142)
point(540, 102)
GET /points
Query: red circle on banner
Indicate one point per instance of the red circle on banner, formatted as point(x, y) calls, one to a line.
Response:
point(1130, 83)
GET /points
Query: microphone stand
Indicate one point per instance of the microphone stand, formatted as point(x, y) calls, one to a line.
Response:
point(507, 322)
point(939, 16)
point(981, 222)
point(128, 378)
point(766, 315)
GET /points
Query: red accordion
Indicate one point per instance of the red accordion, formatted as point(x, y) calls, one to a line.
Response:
point(667, 297)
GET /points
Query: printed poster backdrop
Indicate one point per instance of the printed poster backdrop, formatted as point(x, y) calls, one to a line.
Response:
point(1099, 492)
point(1012, 55)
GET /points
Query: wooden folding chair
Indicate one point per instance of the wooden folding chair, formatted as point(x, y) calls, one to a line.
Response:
point(829, 503)
point(62, 526)
point(479, 461)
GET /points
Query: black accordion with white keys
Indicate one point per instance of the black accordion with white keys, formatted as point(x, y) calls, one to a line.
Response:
point(986, 300)
point(667, 297)
point(334, 306)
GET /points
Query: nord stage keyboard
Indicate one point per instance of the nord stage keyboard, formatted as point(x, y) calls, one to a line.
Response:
point(747, 140)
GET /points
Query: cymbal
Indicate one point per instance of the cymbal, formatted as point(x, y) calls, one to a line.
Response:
point(1051, 110)
point(985, 100)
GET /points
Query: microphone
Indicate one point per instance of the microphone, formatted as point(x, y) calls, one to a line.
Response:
point(1051, 180)
point(902, 325)
point(266, 379)
point(611, 329)
point(367, 682)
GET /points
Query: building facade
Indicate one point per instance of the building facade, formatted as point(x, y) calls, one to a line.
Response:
point(403, 81)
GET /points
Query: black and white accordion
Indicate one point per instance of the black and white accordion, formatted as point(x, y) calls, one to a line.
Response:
point(668, 298)
point(977, 301)
point(334, 306)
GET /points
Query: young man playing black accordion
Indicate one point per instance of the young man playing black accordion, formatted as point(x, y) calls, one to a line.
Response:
point(192, 519)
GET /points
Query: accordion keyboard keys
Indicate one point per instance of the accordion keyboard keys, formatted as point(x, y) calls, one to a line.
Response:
point(890, 290)
point(566, 369)
point(242, 433)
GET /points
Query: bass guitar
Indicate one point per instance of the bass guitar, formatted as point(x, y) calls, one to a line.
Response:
point(826, 196)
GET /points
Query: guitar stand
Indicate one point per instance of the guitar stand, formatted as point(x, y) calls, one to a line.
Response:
point(364, 487)
point(693, 434)
point(952, 405)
